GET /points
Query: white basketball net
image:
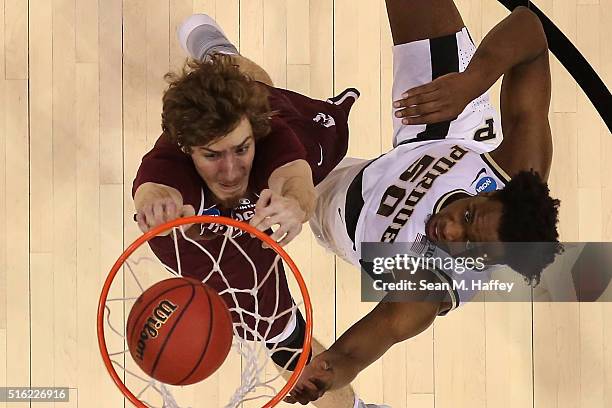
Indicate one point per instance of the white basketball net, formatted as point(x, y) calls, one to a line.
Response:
point(255, 383)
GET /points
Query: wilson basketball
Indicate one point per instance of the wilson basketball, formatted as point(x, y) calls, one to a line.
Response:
point(179, 331)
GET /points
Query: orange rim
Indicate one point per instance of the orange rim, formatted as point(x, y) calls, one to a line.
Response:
point(205, 219)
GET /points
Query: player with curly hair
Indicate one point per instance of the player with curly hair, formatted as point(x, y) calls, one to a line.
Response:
point(235, 145)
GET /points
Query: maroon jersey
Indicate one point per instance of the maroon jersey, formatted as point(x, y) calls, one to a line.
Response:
point(321, 128)
point(301, 128)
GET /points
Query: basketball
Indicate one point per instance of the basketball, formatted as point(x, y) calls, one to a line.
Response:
point(179, 331)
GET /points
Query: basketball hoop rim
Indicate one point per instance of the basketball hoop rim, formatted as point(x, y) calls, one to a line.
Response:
point(204, 219)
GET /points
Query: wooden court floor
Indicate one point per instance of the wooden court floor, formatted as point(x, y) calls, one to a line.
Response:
point(81, 85)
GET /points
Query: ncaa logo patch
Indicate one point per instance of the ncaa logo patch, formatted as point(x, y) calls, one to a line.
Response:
point(485, 185)
point(212, 211)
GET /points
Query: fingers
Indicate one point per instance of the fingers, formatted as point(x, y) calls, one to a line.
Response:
point(291, 234)
point(416, 99)
point(262, 209)
point(417, 110)
point(305, 392)
point(158, 212)
point(288, 227)
point(187, 211)
point(316, 379)
point(280, 232)
point(265, 199)
point(273, 209)
point(440, 100)
point(416, 106)
point(285, 233)
point(420, 90)
point(267, 223)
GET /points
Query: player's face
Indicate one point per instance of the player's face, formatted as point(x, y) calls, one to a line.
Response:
point(226, 163)
point(466, 221)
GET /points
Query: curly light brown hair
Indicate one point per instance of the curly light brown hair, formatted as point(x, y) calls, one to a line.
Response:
point(208, 99)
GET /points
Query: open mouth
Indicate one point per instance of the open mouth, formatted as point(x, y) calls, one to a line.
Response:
point(229, 187)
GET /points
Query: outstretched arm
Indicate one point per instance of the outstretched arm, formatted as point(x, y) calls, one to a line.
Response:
point(288, 202)
point(365, 342)
point(157, 204)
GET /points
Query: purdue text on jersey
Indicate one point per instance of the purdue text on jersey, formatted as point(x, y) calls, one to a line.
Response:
point(396, 193)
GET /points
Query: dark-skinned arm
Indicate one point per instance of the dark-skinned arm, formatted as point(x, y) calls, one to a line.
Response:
point(517, 48)
point(371, 337)
point(366, 341)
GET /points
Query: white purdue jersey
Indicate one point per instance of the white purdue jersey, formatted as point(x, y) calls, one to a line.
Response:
point(389, 199)
point(403, 188)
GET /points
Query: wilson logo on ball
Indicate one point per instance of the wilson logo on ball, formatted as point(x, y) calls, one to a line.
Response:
point(154, 323)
